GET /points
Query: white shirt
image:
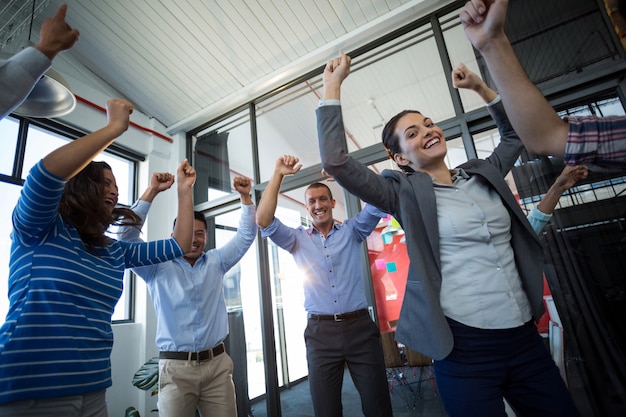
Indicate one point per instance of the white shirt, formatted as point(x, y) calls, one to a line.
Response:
point(18, 76)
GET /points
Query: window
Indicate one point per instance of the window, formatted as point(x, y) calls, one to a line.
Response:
point(15, 163)
point(220, 153)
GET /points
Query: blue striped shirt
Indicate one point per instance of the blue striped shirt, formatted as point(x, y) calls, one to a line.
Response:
point(57, 337)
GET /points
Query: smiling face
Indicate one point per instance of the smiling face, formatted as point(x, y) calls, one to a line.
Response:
point(199, 241)
point(320, 204)
point(421, 143)
point(110, 189)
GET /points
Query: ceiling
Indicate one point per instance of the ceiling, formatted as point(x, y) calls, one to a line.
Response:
point(185, 62)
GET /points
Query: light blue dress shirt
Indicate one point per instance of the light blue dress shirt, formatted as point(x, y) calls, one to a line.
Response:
point(189, 300)
point(333, 279)
point(538, 219)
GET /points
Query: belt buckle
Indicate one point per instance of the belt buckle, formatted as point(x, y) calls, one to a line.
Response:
point(337, 318)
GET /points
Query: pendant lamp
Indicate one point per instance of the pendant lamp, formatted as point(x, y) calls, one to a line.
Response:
point(51, 96)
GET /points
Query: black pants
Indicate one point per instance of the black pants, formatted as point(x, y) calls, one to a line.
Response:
point(333, 344)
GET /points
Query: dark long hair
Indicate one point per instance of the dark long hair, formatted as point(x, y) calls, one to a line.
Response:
point(391, 142)
point(82, 206)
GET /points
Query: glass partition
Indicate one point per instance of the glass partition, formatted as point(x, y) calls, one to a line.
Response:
point(40, 143)
point(404, 74)
point(220, 153)
point(286, 125)
point(460, 50)
point(241, 294)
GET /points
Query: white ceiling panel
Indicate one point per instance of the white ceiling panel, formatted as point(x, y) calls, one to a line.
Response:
point(185, 61)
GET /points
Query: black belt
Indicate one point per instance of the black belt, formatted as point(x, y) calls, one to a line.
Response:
point(341, 316)
point(205, 355)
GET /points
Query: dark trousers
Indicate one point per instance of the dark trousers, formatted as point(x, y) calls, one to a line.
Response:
point(330, 346)
point(486, 366)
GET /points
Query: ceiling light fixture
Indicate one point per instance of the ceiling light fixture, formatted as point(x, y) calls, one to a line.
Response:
point(51, 96)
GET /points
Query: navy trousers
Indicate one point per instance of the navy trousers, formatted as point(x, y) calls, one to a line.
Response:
point(330, 346)
point(486, 366)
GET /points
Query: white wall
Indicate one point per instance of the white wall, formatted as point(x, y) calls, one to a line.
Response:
point(133, 342)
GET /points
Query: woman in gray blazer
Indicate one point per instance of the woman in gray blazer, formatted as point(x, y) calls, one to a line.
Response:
point(475, 281)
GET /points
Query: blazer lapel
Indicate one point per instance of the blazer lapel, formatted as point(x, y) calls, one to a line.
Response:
point(427, 205)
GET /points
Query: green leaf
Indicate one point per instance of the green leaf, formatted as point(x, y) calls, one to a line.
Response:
point(131, 412)
point(147, 377)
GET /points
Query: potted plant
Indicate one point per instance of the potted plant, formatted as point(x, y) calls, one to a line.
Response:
point(146, 378)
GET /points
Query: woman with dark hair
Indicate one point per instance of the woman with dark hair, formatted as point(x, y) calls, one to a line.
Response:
point(81, 205)
point(66, 276)
point(475, 280)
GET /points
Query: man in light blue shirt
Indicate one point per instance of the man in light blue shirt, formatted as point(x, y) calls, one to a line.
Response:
point(187, 293)
point(339, 330)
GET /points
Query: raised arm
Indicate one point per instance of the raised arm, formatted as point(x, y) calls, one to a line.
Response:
point(566, 180)
point(463, 77)
point(285, 165)
point(183, 229)
point(540, 128)
point(349, 173)
point(335, 72)
point(243, 186)
point(71, 158)
point(510, 146)
point(237, 246)
point(159, 182)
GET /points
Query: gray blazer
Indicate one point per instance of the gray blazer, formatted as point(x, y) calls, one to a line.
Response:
point(410, 198)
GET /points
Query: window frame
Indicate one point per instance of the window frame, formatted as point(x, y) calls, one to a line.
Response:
point(71, 133)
